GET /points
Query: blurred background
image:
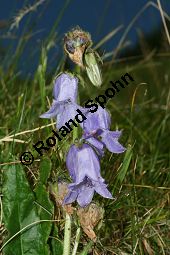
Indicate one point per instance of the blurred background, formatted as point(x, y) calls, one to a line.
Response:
point(27, 25)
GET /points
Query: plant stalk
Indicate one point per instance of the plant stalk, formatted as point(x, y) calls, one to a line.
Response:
point(76, 241)
point(67, 235)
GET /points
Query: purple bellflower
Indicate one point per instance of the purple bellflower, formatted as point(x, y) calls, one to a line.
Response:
point(84, 168)
point(97, 133)
point(64, 104)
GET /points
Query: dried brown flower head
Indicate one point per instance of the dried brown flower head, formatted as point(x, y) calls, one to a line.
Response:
point(75, 43)
point(89, 218)
point(59, 191)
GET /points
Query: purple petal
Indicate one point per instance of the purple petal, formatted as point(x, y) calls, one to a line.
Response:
point(102, 190)
point(74, 166)
point(52, 112)
point(68, 111)
point(97, 144)
point(116, 134)
point(71, 161)
point(99, 120)
point(70, 197)
point(83, 192)
point(86, 163)
point(85, 196)
point(110, 139)
point(65, 87)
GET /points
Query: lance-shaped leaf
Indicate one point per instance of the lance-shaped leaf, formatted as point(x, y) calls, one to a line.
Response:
point(19, 211)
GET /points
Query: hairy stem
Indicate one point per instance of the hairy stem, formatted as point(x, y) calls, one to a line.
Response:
point(67, 235)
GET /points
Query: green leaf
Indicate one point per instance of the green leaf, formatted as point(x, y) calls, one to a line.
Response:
point(57, 245)
point(44, 205)
point(19, 211)
point(125, 165)
point(87, 248)
point(44, 171)
point(124, 168)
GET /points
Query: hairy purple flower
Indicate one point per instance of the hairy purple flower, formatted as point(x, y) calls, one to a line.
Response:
point(84, 168)
point(97, 126)
point(64, 105)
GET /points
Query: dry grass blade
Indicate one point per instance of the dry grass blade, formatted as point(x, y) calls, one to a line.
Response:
point(109, 54)
point(147, 247)
point(145, 186)
point(24, 12)
point(108, 37)
point(145, 7)
point(8, 138)
point(21, 230)
point(15, 162)
point(163, 20)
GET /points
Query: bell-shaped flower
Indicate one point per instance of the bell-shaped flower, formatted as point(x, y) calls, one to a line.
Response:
point(84, 191)
point(84, 168)
point(64, 106)
point(83, 162)
point(97, 122)
point(96, 132)
point(65, 87)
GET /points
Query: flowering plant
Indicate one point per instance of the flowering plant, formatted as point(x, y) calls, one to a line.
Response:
point(83, 157)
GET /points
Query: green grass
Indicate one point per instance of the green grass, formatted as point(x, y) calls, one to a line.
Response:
point(138, 220)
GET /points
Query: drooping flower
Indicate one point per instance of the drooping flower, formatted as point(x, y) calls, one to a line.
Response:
point(84, 192)
point(84, 168)
point(83, 162)
point(64, 106)
point(96, 132)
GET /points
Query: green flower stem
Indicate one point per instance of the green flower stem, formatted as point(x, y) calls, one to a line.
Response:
point(75, 134)
point(67, 235)
point(76, 241)
point(87, 248)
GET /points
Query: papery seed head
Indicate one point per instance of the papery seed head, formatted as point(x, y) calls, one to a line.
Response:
point(89, 218)
point(59, 190)
point(75, 43)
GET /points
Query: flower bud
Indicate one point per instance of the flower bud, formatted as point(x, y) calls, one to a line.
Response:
point(92, 68)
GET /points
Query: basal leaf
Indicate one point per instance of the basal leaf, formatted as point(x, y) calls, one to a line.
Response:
point(44, 205)
point(57, 245)
point(44, 171)
point(19, 210)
